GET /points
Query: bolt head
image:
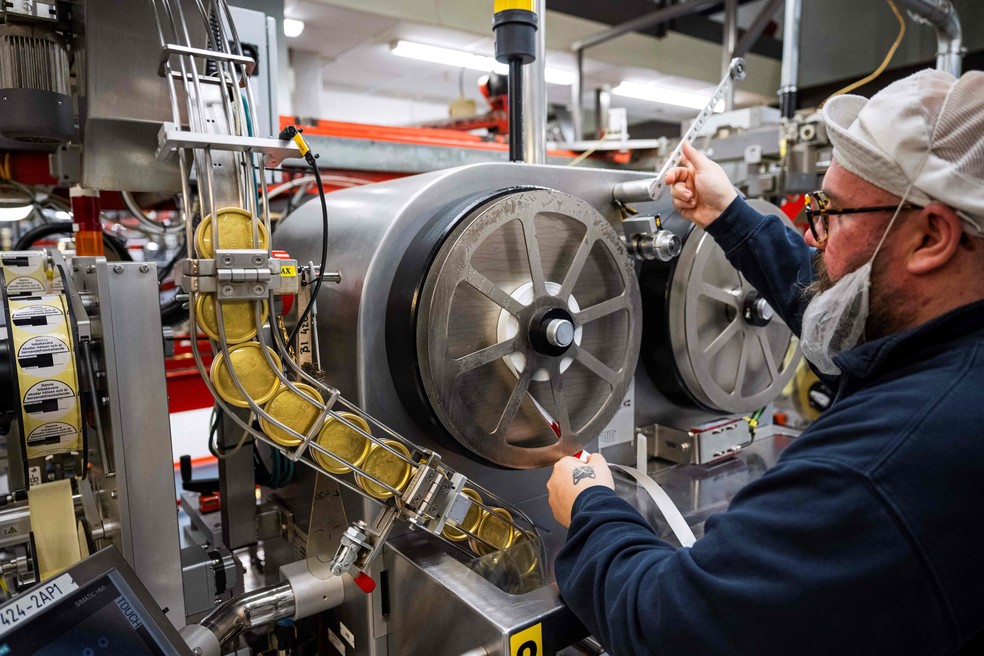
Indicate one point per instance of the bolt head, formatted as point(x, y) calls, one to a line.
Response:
point(227, 290)
point(258, 290)
point(144, 268)
point(118, 268)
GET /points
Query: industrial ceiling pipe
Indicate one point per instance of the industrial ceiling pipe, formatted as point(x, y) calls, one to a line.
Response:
point(647, 20)
point(790, 58)
point(942, 15)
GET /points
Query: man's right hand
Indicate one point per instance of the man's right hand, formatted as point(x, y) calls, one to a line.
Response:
point(700, 188)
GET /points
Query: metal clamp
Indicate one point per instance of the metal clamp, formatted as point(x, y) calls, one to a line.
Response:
point(646, 240)
point(353, 541)
point(246, 274)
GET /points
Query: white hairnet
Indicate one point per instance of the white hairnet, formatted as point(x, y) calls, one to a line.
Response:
point(926, 130)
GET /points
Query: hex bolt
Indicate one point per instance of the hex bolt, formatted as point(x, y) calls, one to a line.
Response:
point(144, 268)
point(90, 269)
point(118, 268)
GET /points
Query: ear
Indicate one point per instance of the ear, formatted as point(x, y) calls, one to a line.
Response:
point(936, 240)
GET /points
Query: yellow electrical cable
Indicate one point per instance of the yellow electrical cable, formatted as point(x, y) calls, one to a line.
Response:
point(5, 171)
point(583, 156)
point(888, 57)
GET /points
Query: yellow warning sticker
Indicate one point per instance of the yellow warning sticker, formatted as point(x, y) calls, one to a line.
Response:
point(528, 642)
point(288, 270)
point(503, 5)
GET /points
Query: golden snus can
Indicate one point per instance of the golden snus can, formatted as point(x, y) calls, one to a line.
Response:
point(495, 532)
point(238, 317)
point(235, 232)
point(343, 441)
point(255, 375)
point(296, 411)
point(387, 467)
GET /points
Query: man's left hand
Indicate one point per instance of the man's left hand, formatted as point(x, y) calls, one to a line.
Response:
point(571, 477)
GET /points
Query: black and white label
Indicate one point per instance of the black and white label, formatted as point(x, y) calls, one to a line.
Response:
point(32, 603)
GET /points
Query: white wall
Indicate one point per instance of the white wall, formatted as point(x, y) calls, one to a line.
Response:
point(337, 105)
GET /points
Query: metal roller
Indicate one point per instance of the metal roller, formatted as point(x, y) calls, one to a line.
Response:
point(712, 343)
point(526, 329)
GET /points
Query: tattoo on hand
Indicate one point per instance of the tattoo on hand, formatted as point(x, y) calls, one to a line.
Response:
point(582, 472)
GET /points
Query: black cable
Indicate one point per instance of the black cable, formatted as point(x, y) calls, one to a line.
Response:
point(166, 269)
point(324, 256)
point(113, 245)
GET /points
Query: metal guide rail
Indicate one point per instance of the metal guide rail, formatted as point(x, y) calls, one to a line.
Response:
point(647, 190)
point(232, 279)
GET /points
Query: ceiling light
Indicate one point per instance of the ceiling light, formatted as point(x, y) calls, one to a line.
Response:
point(15, 213)
point(469, 60)
point(293, 27)
point(665, 95)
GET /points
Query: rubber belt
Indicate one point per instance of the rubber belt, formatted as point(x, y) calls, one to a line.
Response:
point(670, 512)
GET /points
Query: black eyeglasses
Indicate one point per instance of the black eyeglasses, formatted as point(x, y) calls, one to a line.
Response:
point(818, 209)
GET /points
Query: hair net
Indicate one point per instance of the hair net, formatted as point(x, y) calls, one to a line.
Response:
point(927, 131)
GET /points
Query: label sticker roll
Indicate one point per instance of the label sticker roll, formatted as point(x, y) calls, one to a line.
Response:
point(26, 273)
point(47, 375)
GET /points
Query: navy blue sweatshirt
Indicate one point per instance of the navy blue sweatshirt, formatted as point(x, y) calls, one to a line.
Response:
point(867, 537)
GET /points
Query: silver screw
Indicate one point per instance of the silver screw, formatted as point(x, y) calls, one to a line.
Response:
point(258, 290)
point(118, 268)
point(227, 260)
point(90, 269)
point(258, 260)
point(227, 290)
point(144, 268)
point(114, 494)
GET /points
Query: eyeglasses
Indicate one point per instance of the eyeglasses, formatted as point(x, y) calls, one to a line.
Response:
point(818, 210)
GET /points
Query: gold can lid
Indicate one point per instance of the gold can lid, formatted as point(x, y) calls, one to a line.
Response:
point(259, 381)
point(293, 410)
point(238, 317)
point(235, 231)
point(525, 552)
point(387, 467)
point(471, 521)
point(496, 530)
point(343, 441)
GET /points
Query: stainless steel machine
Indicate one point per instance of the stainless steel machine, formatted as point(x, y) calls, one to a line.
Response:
point(460, 331)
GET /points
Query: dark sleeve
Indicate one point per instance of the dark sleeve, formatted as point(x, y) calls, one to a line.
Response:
point(807, 560)
point(772, 257)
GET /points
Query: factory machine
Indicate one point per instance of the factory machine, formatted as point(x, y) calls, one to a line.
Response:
point(418, 352)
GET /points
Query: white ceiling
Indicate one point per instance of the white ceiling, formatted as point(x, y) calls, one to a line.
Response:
point(355, 47)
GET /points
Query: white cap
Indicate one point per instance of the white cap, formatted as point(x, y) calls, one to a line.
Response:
point(927, 131)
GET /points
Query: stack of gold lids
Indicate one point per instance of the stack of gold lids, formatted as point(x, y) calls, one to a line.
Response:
point(252, 370)
point(235, 232)
point(343, 441)
point(387, 467)
point(296, 411)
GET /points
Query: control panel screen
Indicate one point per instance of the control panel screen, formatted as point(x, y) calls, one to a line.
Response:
point(102, 618)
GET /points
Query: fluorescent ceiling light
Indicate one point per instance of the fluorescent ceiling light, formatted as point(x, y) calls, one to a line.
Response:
point(665, 95)
point(15, 213)
point(469, 60)
point(293, 27)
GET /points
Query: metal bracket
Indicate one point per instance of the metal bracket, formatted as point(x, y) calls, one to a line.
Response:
point(185, 51)
point(246, 274)
point(171, 138)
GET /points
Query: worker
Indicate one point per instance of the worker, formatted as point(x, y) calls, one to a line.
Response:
point(867, 536)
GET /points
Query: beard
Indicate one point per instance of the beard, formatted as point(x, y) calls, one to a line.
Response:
point(887, 311)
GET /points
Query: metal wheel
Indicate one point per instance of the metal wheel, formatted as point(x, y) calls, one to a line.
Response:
point(733, 353)
point(527, 328)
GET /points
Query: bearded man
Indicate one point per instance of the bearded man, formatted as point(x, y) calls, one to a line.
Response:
point(867, 536)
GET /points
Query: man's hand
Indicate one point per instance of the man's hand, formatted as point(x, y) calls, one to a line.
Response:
point(571, 477)
point(700, 188)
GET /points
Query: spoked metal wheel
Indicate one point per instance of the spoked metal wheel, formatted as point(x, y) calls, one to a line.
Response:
point(733, 353)
point(527, 328)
